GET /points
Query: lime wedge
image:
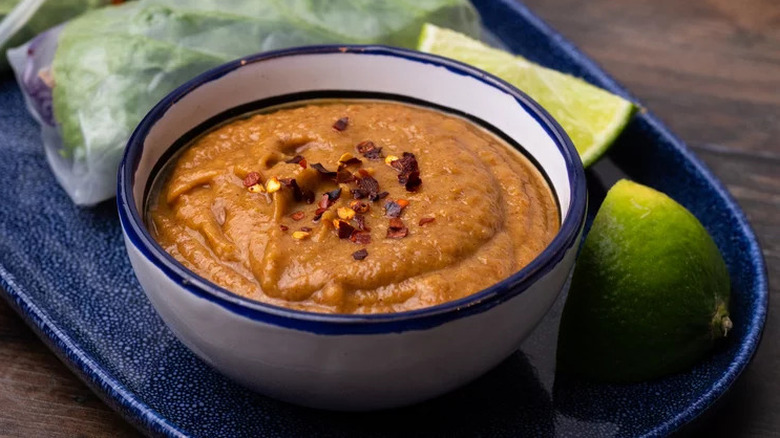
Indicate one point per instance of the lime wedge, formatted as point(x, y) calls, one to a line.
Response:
point(592, 117)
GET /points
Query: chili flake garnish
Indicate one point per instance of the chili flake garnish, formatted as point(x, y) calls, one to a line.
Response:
point(348, 159)
point(341, 124)
point(344, 229)
point(298, 215)
point(327, 199)
point(323, 171)
point(345, 213)
point(283, 227)
point(369, 150)
point(397, 229)
point(352, 161)
point(360, 254)
point(300, 235)
point(333, 196)
point(344, 176)
point(426, 220)
point(295, 160)
point(318, 214)
point(257, 188)
point(408, 171)
point(360, 220)
point(306, 229)
point(361, 237)
point(273, 185)
point(251, 179)
point(368, 187)
point(359, 206)
point(414, 182)
point(392, 209)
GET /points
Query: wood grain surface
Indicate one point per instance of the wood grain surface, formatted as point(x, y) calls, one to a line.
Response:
point(709, 68)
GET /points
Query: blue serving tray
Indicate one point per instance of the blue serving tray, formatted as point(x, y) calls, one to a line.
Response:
point(64, 269)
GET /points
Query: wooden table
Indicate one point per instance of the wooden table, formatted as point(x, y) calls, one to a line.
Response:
point(708, 68)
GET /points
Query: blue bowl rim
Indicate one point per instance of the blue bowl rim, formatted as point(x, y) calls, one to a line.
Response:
point(322, 323)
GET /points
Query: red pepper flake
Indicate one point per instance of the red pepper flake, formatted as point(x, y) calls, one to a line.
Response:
point(251, 179)
point(360, 254)
point(303, 163)
point(345, 230)
point(318, 214)
point(298, 215)
point(360, 237)
point(324, 202)
point(426, 220)
point(327, 199)
point(369, 184)
point(360, 220)
point(397, 229)
point(369, 150)
point(344, 176)
point(306, 229)
point(333, 195)
point(408, 171)
point(341, 124)
point(323, 171)
point(359, 206)
point(413, 182)
point(368, 187)
point(393, 209)
point(283, 227)
point(351, 162)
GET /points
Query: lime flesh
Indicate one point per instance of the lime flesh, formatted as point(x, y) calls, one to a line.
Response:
point(650, 291)
point(592, 117)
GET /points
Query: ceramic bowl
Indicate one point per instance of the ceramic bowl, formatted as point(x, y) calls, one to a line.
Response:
point(349, 362)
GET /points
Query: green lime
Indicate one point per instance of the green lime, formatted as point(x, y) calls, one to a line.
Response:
point(592, 117)
point(650, 291)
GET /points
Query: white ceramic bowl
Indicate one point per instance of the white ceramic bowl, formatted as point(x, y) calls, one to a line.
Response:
point(349, 362)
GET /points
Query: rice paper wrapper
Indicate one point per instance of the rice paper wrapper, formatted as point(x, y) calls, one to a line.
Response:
point(87, 180)
point(89, 82)
point(24, 19)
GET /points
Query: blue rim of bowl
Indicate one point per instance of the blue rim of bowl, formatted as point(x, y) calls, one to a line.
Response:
point(342, 324)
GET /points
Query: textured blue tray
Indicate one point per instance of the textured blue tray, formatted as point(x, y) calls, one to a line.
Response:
point(65, 271)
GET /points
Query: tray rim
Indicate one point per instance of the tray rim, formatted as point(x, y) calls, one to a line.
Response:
point(151, 422)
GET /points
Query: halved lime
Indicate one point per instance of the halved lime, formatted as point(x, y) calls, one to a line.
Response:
point(592, 117)
point(650, 291)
